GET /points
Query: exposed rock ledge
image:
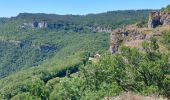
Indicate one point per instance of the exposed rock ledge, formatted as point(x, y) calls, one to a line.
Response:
point(158, 18)
point(124, 34)
point(132, 36)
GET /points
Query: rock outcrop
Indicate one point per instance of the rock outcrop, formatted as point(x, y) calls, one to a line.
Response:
point(133, 36)
point(64, 26)
point(99, 29)
point(124, 34)
point(158, 18)
point(41, 24)
point(102, 29)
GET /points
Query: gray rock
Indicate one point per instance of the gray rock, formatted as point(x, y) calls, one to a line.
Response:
point(113, 48)
point(35, 24)
point(158, 18)
point(166, 21)
point(154, 20)
point(123, 34)
point(41, 24)
point(101, 29)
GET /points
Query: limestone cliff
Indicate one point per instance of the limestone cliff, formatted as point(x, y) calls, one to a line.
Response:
point(41, 24)
point(133, 36)
point(158, 18)
point(124, 34)
point(65, 26)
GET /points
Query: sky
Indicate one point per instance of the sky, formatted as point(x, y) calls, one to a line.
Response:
point(10, 8)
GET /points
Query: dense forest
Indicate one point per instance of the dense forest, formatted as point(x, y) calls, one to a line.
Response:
point(46, 57)
point(23, 45)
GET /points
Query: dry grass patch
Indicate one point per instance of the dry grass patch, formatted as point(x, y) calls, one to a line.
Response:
point(131, 96)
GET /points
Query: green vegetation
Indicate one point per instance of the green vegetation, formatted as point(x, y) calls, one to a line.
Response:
point(52, 63)
point(129, 70)
point(167, 39)
point(22, 46)
point(112, 19)
point(167, 9)
point(141, 24)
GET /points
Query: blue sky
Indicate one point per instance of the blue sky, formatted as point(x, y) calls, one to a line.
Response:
point(13, 7)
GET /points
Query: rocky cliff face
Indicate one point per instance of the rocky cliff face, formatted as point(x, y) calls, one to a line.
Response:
point(124, 34)
point(133, 36)
point(65, 26)
point(158, 18)
point(102, 29)
point(42, 24)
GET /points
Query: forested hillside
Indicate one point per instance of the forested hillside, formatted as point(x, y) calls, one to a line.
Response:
point(46, 57)
point(28, 39)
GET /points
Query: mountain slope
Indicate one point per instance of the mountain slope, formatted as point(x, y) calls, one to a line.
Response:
point(28, 39)
point(38, 50)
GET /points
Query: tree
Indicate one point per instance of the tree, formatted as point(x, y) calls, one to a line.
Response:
point(23, 96)
point(37, 88)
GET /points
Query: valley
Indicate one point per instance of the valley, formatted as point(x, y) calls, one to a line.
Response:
point(46, 56)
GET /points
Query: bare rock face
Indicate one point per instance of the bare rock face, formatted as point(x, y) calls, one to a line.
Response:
point(165, 19)
point(122, 35)
point(114, 42)
point(36, 24)
point(116, 37)
point(154, 20)
point(158, 18)
point(102, 29)
point(42, 24)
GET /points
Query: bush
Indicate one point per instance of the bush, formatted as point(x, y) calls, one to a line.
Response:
point(128, 70)
point(167, 9)
point(167, 39)
point(23, 96)
point(141, 24)
point(38, 89)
